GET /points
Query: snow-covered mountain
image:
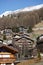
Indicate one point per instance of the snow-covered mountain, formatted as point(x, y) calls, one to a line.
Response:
point(22, 10)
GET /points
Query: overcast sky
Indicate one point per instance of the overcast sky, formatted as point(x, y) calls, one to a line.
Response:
point(6, 5)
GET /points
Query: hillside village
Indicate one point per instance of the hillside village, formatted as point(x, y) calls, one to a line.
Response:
point(21, 41)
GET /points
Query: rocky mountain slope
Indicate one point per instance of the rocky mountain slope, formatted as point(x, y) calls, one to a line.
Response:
point(26, 17)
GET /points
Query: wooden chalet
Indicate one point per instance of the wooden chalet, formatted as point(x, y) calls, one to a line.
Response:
point(7, 54)
point(26, 46)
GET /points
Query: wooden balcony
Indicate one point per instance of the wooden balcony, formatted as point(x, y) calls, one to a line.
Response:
point(6, 60)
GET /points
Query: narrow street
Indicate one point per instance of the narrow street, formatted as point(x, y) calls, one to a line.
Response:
point(40, 63)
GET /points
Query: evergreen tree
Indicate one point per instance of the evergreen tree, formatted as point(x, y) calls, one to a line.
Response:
point(29, 29)
point(15, 29)
point(4, 36)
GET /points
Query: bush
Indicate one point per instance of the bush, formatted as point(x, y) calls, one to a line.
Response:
point(29, 29)
point(15, 29)
point(4, 36)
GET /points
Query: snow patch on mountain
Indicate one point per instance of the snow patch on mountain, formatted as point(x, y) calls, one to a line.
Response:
point(6, 13)
point(22, 10)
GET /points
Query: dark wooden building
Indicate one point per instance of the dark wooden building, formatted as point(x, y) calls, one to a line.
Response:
point(7, 54)
point(40, 43)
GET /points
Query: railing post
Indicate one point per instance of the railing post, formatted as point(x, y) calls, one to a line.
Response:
point(12, 64)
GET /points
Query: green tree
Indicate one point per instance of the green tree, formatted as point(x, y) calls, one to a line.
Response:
point(4, 36)
point(15, 29)
point(29, 29)
point(39, 56)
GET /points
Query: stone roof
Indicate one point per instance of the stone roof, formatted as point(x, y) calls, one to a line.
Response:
point(25, 38)
point(40, 38)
